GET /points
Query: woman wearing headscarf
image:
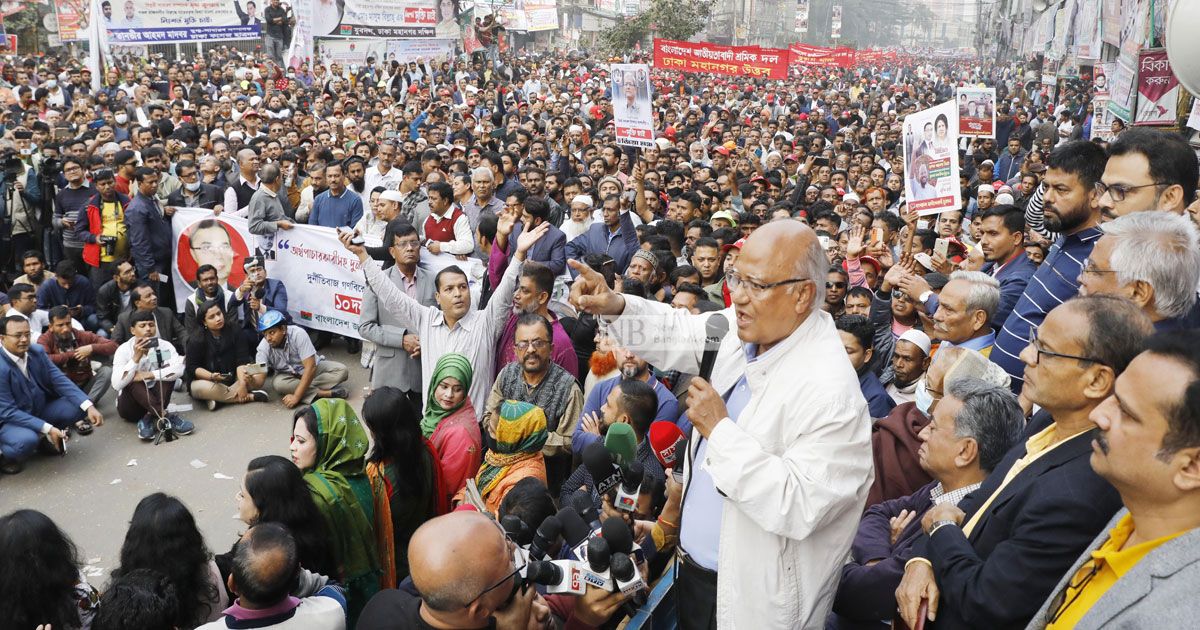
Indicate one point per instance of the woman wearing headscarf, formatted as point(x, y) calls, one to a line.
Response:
point(450, 422)
point(329, 445)
point(405, 466)
point(520, 436)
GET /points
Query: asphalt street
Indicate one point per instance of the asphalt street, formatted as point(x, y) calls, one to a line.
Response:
point(92, 491)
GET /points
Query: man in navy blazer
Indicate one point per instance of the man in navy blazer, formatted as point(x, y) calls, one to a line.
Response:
point(1002, 238)
point(973, 426)
point(992, 560)
point(615, 236)
point(550, 250)
point(36, 398)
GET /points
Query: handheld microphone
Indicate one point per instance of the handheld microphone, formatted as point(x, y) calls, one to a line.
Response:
point(625, 573)
point(621, 443)
point(599, 465)
point(582, 502)
point(616, 533)
point(663, 437)
point(574, 530)
point(516, 529)
point(598, 556)
point(627, 492)
point(558, 576)
point(547, 534)
point(715, 329)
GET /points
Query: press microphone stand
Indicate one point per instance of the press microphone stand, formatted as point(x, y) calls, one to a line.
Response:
point(164, 430)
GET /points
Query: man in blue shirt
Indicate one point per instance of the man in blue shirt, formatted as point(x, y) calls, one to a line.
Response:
point(631, 367)
point(148, 226)
point(857, 333)
point(336, 207)
point(1002, 238)
point(615, 236)
point(1072, 210)
point(72, 290)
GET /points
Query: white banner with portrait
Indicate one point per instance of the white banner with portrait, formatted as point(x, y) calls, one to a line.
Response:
point(632, 97)
point(178, 21)
point(406, 50)
point(977, 112)
point(324, 282)
point(931, 160)
point(379, 18)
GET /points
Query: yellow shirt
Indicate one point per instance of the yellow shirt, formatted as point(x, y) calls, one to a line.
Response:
point(1109, 563)
point(112, 223)
point(1035, 447)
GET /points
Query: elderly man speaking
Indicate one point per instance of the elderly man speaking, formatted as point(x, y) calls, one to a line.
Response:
point(779, 462)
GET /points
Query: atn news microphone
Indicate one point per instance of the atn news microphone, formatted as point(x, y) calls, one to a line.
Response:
point(599, 464)
point(545, 537)
point(715, 329)
point(629, 488)
point(558, 576)
point(621, 443)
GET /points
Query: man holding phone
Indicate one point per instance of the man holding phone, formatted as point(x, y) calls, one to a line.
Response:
point(145, 369)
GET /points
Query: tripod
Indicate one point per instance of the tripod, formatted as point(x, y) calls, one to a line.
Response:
point(162, 425)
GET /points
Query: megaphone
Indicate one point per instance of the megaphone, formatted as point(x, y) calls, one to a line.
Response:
point(1183, 47)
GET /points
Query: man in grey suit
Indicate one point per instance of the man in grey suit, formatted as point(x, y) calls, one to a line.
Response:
point(1141, 571)
point(397, 356)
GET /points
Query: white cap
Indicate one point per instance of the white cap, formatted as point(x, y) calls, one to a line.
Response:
point(850, 196)
point(392, 195)
point(584, 199)
point(986, 188)
point(1004, 199)
point(918, 339)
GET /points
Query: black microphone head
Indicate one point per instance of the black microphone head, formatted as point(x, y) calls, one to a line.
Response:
point(574, 530)
point(631, 479)
point(621, 566)
point(598, 553)
point(598, 461)
point(550, 529)
point(583, 503)
point(543, 572)
point(616, 533)
point(516, 529)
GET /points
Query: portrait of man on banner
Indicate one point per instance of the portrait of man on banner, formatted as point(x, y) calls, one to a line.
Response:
point(213, 242)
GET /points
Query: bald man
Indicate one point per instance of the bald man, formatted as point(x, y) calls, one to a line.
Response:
point(242, 189)
point(779, 460)
point(463, 565)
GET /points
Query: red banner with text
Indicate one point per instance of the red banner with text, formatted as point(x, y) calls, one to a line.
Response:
point(840, 57)
point(740, 61)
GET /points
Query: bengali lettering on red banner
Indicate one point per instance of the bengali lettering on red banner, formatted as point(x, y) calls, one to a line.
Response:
point(741, 61)
point(820, 56)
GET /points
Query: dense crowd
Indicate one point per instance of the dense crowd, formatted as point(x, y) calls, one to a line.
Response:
point(988, 417)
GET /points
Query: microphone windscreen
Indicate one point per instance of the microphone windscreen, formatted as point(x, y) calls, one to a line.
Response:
point(516, 529)
point(583, 504)
point(598, 554)
point(550, 529)
point(574, 530)
point(620, 441)
point(631, 479)
point(616, 533)
point(663, 436)
point(621, 566)
point(599, 464)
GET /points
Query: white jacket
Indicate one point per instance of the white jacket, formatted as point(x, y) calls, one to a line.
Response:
point(794, 469)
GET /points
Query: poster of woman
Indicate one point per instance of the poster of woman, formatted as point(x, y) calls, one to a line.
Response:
point(931, 160)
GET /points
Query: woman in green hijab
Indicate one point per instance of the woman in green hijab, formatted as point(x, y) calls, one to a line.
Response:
point(450, 422)
point(329, 445)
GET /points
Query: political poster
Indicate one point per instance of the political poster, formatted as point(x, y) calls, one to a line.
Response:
point(72, 19)
point(406, 50)
point(744, 61)
point(324, 282)
point(351, 50)
point(835, 23)
point(1102, 117)
point(523, 15)
point(931, 160)
point(302, 48)
point(822, 56)
point(1157, 89)
point(632, 104)
point(378, 18)
point(801, 16)
point(179, 21)
point(1122, 86)
point(977, 112)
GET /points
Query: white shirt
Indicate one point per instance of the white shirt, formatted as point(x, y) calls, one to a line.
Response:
point(125, 368)
point(373, 178)
point(231, 200)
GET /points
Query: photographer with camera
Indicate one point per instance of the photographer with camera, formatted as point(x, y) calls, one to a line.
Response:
point(73, 350)
point(19, 225)
point(259, 294)
point(100, 227)
point(145, 369)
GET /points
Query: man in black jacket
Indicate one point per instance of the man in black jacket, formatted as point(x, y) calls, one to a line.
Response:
point(275, 29)
point(990, 561)
point(195, 193)
point(145, 299)
point(115, 296)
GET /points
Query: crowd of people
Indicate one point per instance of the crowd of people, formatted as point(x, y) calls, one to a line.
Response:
point(983, 418)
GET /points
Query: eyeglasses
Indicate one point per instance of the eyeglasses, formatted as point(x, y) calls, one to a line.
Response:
point(1089, 266)
point(1075, 587)
point(408, 245)
point(734, 280)
point(835, 285)
point(1033, 342)
point(537, 344)
point(1118, 191)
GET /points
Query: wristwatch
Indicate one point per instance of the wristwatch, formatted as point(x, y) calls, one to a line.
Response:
point(939, 524)
point(924, 297)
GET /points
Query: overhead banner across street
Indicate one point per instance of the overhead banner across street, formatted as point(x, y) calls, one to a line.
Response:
point(179, 21)
point(376, 18)
point(743, 61)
